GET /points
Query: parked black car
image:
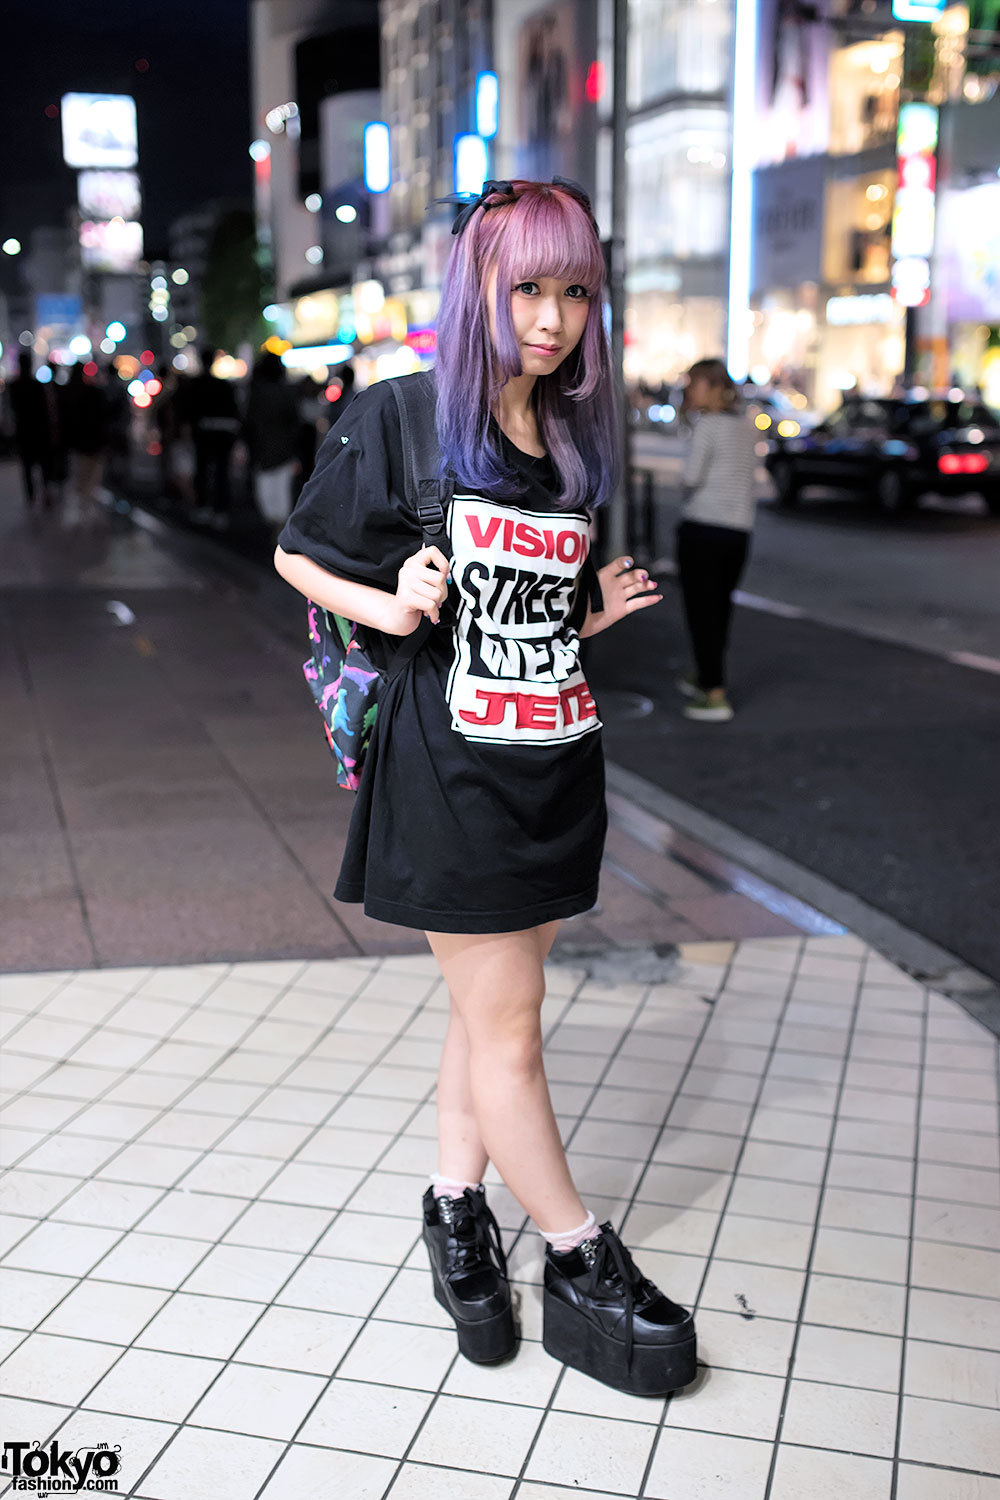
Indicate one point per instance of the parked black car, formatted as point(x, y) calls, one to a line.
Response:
point(891, 451)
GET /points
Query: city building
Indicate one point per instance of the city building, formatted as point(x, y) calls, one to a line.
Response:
point(832, 309)
point(315, 75)
point(358, 262)
point(829, 265)
point(189, 238)
point(678, 162)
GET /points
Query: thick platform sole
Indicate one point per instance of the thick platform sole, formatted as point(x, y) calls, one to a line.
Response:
point(656, 1370)
point(485, 1341)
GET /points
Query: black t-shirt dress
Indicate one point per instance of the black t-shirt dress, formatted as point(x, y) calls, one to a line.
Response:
point(481, 806)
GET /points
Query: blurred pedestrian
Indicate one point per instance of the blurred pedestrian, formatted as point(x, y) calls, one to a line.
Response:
point(87, 435)
point(313, 406)
point(713, 537)
point(208, 411)
point(480, 814)
point(176, 477)
point(35, 416)
point(271, 433)
point(119, 429)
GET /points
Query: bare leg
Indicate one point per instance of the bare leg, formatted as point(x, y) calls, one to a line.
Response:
point(461, 1153)
point(497, 986)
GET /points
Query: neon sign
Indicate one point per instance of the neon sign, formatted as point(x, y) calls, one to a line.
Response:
point(913, 213)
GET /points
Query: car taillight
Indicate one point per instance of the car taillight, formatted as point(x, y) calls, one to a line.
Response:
point(963, 463)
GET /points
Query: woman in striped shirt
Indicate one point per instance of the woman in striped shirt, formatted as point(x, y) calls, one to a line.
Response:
point(713, 537)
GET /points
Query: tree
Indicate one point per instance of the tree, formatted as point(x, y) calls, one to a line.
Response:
point(232, 289)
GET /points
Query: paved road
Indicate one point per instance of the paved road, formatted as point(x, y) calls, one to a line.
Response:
point(929, 578)
point(872, 765)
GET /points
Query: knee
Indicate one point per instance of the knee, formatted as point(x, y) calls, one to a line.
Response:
point(510, 1038)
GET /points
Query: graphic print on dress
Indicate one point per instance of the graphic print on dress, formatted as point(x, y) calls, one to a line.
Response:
point(516, 677)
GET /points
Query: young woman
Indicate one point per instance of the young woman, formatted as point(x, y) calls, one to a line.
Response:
point(713, 537)
point(480, 817)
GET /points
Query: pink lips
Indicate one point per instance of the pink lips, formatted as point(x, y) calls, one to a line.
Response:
point(545, 348)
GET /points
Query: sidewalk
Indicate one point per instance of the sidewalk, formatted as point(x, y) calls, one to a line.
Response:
point(217, 1108)
point(211, 1254)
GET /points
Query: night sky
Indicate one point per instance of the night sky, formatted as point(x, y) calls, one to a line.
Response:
point(193, 103)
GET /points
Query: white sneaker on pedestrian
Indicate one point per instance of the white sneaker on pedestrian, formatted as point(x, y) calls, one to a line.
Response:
point(708, 710)
point(687, 686)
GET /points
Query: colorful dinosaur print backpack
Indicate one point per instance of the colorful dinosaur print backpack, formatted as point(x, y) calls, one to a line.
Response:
point(343, 679)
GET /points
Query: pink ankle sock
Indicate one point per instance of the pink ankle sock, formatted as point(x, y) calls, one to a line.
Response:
point(568, 1239)
point(450, 1187)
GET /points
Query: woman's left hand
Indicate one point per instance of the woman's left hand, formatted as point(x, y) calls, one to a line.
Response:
point(626, 589)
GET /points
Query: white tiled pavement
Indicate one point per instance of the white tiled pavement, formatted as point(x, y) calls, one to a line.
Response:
point(211, 1254)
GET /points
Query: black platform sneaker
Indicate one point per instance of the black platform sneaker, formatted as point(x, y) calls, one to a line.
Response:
point(470, 1273)
point(603, 1317)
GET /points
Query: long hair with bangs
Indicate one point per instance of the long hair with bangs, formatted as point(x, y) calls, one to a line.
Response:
point(545, 231)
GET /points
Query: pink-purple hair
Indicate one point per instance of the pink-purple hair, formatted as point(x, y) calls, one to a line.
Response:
point(545, 231)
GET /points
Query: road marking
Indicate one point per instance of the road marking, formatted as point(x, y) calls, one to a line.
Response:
point(970, 659)
point(978, 663)
point(769, 606)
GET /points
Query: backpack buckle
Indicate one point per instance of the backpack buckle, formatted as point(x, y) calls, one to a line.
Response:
point(431, 494)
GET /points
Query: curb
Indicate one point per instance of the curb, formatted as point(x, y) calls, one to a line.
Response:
point(934, 966)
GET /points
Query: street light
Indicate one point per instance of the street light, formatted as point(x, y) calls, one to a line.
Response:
point(12, 246)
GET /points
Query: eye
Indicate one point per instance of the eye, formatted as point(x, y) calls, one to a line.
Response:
point(581, 293)
point(522, 284)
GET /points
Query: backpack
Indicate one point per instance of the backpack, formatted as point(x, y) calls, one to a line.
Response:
point(344, 680)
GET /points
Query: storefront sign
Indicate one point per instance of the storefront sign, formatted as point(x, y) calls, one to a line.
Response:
point(917, 10)
point(788, 224)
point(868, 307)
point(315, 317)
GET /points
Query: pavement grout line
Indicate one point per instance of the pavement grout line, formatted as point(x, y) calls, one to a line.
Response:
point(641, 1002)
point(51, 777)
point(908, 1285)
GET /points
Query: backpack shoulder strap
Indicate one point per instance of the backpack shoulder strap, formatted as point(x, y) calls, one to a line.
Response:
point(426, 489)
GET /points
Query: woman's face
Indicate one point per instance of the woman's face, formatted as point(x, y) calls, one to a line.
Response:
point(549, 317)
point(699, 395)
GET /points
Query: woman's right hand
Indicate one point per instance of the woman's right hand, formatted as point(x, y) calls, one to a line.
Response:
point(422, 587)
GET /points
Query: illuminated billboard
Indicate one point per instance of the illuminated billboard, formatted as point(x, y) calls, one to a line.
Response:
point(99, 130)
point(114, 245)
point(970, 253)
point(792, 88)
point(108, 195)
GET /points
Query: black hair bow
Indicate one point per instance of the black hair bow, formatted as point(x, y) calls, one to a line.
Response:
point(471, 202)
point(579, 193)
